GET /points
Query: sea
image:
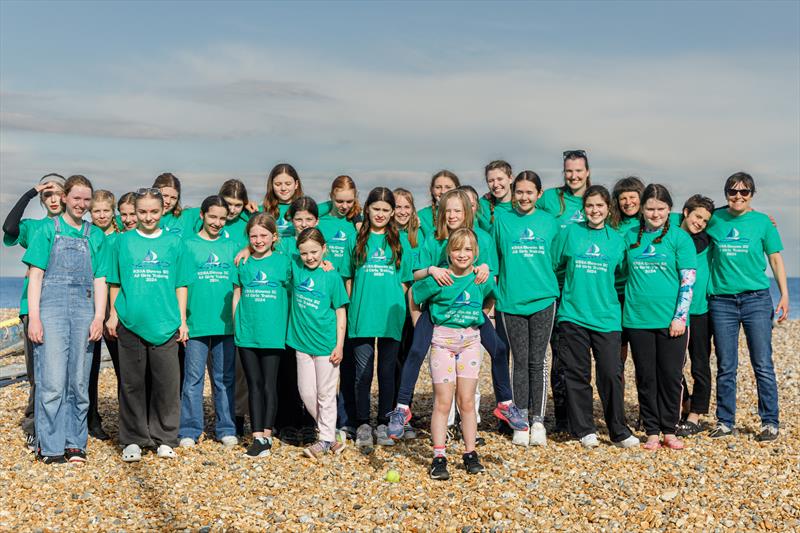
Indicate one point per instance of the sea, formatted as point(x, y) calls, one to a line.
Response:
point(11, 289)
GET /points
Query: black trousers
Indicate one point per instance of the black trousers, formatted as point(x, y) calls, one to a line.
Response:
point(699, 355)
point(557, 379)
point(28, 424)
point(93, 417)
point(148, 415)
point(658, 360)
point(291, 412)
point(576, 346)
point(261, 368)
point(406, 338)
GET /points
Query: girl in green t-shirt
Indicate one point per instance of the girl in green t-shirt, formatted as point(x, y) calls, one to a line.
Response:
point(696, 213)
point(340, 225)
point(234, 193)
point(148, 317)
point(498, 176)
point(126, 206)
point(661, 262)
point(283, 188)
point(261, 287)
point(591, 255)
point(378, 278)
point(566, 202)
point(441, 182)
point(317, 328)
point(170, 187)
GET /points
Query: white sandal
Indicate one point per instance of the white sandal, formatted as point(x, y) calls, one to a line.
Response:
point(166, 452)
point(132, 453)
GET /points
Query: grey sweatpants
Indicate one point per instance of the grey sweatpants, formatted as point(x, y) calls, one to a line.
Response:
point(527, 338)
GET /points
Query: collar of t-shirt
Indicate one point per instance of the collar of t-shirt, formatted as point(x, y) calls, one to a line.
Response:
point(156, 234)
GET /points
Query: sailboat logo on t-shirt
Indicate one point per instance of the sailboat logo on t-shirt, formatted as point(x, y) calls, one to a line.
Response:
point(378, 256)
point(213, 262)
point(308, 286)
point(593, 252)
point(650, 253)
point(151, 259)
point(283, 225)
point(734, 237)
point(577, 216)
point(464, 300)
point(260, 280)
point(527, 236)
point(339, 236)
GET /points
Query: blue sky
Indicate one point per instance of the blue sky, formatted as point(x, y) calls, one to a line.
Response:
point(680, 93)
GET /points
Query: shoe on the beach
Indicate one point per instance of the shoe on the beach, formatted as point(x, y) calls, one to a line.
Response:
point(30, 442)
point(768, 433)
point(721, 431)
point(51, 459)
point(439, 469)
point(397, 422)
point(479, 441)
point(229, 441)
point(687, 429)
point(409, 433)
point(631, 442)
point(364, 438)
point(381, 436)
point(96, 431)
point(590, 441)
point(75, 455)
point(651, 445)
point(316, 450)
point(340, 443)
point(132, 453)
point(289, 435)
point(186, 442)
point(538, 434)
point(508, 413)
point(521, 438)
point(261, 447)
point(471, 463)
point(166, 452)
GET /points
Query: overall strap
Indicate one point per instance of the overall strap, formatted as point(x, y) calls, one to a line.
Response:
point(86, 229)
point(57, 223)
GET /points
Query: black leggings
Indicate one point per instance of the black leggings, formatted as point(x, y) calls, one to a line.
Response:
point(93, 416)
point(291, 411)
point(699, 354)
point(261, 367)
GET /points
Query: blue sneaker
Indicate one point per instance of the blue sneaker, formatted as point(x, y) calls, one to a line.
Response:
point(509, 414)
point(397, 422)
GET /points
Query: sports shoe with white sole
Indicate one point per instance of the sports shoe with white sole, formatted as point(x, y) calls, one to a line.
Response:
point(382, 437)
point(631, 442)
point(521, 438)
point(590, 441)
point(166, 452)
point(538, 434)
point(132, 453)
point(187, 442)
point(229, 441)
point(364, 440)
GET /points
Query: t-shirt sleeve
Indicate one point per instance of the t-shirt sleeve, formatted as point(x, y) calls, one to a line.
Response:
point(338, 292)
point(772, 239)
point(489, 289)
point(346, 265)
point(23, 238)
point(685, 253)
point(112, 253)
point(558, 250)
point(425, 255)
point(185, 274)
point(100, 259)
point(235, 276)
point(491, 253)
point(423, 290)
point(406, 263)
point(38, 253)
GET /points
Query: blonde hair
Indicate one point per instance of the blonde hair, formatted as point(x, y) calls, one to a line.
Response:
point(442, 231)
point(265, 221)
point(459, 238)
point(412, 227)
point(102, 195)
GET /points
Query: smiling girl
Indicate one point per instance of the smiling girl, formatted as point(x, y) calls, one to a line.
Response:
point(170, 187)
point(566, 202)
point(283, 187)
point(340, 225)
point(126, 206)
point(441, 182)
point(498, 176)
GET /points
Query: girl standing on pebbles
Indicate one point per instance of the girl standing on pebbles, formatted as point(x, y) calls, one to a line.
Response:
point(67, 303)
point(317, 327)
point(17, 230)
point(739, 290)
point(441, 182)
point(261, 289)
point(283, 187)
point(170, 187)
point(498, 176)
point(455, 360)
point(378, 275)
point(661, 271)
point(524, 239)
point(147, 266)
point(209, 263)
point(591, 256)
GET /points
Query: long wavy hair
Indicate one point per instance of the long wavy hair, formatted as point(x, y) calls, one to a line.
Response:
point(412, 226)
point(627, 184)
point(442, 231)
point(270, 199)
point(378, 194)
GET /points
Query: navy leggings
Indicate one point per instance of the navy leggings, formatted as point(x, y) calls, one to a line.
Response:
point(423, 333)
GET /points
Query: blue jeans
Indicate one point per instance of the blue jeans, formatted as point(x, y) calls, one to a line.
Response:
point(753, 310)
point(364, 361)
point(222, 371)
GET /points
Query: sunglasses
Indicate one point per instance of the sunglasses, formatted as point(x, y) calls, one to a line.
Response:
point(572, 154)
point(744, 192)
point(146, 191)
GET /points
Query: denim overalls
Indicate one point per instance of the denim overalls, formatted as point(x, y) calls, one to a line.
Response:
point(63, 361)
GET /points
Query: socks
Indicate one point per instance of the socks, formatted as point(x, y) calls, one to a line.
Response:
point(504, 404)
point(402, 406)
point(439, 451)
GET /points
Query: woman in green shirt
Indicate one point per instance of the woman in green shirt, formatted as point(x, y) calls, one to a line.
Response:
point(591, 255)
point(170, 187)
point(661, 262)
point(148, 316)
point(498, 176)
point(441, 182)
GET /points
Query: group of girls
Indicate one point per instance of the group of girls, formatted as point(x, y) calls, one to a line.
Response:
point(301, 294)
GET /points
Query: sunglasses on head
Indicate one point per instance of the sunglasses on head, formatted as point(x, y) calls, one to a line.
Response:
point(571, 154)
point(744, 192)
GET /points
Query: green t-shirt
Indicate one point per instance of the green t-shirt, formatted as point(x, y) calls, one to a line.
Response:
point(484, 215)
point(434, 252)
point(377, 301)
point(340, 235)
point(148, 270)
point(262, 313)
point(177, 225)
point(285, 226)
point(210, 266)
point(414, 250)
point(527, 283)
point(651, 291)
point(571, 212)
point(427, 222)
point(27, 228)
point(316, 295)
point(288, 247)
point(699, 304)
point(234, 229)
point(627, 224)
point(38, 253)
point(459, 305)
point(741, 244)
point(591, 259)
point(324, 208)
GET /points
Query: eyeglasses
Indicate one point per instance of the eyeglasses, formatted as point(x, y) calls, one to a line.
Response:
point(572, 154)
point(744, 192)
point(147, 190)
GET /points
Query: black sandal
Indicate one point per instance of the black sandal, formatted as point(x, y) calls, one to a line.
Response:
point(687, 429)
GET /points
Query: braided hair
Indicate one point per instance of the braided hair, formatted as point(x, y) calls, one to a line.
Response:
point(654, 191)
point(572, 155)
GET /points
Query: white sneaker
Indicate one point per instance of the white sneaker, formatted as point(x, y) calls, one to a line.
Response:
point(166, 452)
point(521, 438)
point(630, 442)
point(186, 442)
point(364, 438)
point(230, 441)
point(590, 441)
point(538, 434)
point(132, 453)
point(382, 437)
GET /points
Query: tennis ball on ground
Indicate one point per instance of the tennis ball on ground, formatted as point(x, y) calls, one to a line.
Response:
point(392, 476)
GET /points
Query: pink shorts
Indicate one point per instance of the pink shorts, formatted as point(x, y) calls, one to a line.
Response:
point(455, 353)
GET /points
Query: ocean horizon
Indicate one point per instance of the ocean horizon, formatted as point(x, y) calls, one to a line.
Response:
point(11, 289)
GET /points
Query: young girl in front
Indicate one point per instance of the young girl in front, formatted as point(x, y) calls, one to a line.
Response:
point(526, 299)
point(441, 182)
point(67, 303)
point(378, 278)
point(171, 220)
point(261, 286)
point(209, 264)
point(455, 360)
point(498, 176)
point(18, 230)
point(283, 187)
point(148, 317)
point(661, 262)
point(695, 216)
point(591, 256)
point(317, 327)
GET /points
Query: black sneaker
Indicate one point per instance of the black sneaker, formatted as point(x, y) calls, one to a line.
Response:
point(480, 441)
point(52, 459)
point(30, 442)
point(289, 435)
point(308, 435)
point(75, 455)
point(721, 431)
point(472, 464)
point(259, 448)
point(687, 429)
point(768, 433)
point(439, 469)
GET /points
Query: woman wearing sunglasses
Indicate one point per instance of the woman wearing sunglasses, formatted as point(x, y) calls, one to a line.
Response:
point(739, 294)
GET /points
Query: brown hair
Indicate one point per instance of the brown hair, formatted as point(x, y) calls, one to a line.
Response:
point(740, 177)
point(102, 195)
point(442, 231)
point(627, 184)
point(168, 179)
point(127, 198)
point(459, 237)
point(310, 234)
point(378, 194)
point(270, 200)
point(441, 174)
point(571, 156)
point(265, 221)
point(658, 192)
point(346, 183)
point(303, 203)
point(498, 164)
point(696, 202)
point(412, 227)
point(234, 189)
point(526, 175)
